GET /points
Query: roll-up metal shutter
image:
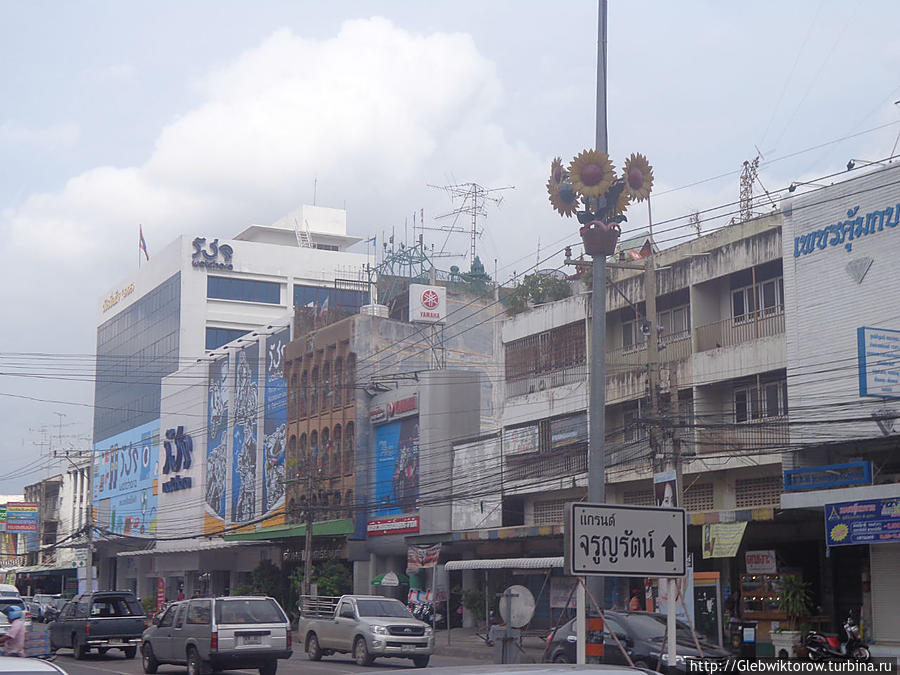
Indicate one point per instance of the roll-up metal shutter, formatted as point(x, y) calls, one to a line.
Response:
point(884, 560)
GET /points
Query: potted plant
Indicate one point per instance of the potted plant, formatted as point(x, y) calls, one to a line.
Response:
point(794, 602)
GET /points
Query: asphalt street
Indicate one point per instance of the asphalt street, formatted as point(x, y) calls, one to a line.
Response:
point(114, 662)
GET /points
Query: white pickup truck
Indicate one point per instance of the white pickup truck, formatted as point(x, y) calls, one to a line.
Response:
point(366, 626)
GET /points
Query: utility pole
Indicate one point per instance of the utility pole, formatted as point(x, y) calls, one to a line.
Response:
point(597, 418)
point(650, 330)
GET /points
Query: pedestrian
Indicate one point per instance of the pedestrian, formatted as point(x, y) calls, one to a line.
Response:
point(634, 604)
point(14, 640)
point(180, 595)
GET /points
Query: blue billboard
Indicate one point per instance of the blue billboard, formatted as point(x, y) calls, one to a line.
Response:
point(397, 467)
point(126, 468)
point(870, 521)
point(274, 422)
point(243, 467)
point(217, 438)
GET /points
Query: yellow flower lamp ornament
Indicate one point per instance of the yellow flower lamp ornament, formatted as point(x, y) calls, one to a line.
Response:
point(591, 183)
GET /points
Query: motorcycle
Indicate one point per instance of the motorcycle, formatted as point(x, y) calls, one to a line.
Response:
point(825, 647)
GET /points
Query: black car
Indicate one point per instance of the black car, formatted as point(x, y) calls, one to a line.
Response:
point(642, 634)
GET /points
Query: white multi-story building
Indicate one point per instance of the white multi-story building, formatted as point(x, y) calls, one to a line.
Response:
point(194, 296)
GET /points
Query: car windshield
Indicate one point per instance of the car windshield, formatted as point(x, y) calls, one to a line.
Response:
point(392, 608)
point(249, 610)
point(653, 626)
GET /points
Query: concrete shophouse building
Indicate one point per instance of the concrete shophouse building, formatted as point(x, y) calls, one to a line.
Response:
point(720, 321)
point(373, 406)
point(194, 296)
point(842, 467)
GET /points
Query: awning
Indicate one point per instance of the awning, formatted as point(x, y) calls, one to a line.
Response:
point(43, 569)
point(185, 546)
point(390, 579)
point(504, 563)
point(322, 528)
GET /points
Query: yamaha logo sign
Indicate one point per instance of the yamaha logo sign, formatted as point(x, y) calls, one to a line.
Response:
point(427, 304)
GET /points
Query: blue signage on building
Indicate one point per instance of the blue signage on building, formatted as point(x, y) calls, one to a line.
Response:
point(828, 476)
point(879, 362)
point(870, 521)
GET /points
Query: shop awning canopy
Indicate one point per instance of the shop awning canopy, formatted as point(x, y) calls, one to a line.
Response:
point(186, 546)
point(504, 563)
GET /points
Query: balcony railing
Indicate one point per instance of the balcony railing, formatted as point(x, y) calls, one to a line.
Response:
point(768, 434)
point(672, 348)
point(539, 382)
point(733, 331)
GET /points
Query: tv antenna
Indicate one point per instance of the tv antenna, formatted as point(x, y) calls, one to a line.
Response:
point(472, 200)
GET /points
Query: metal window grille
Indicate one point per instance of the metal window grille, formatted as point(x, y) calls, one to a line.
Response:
point(758, 491)
point(699, 498)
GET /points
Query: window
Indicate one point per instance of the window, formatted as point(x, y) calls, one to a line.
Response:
point(632, 337)
point(675, 322)
point(179, 618)
point(767, 299)
point(350, 378)
point(302, 449)
point(314, 447)
point(349, 447)
point(314, 391)
point(251, 610)
point(632, 428)
point(699, 497)
point(199, 612)
point(549, 513)
point(217, 337)
point(304, 394)
point(246, 290)
point(547, 352)
point(640, 498)
point(338, 381)
point(321, 298)
point(168, 618)
point(762, 491)
point(326, 385)
point(751, 403)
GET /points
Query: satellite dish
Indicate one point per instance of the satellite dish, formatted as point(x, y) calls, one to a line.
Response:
point(517, 606)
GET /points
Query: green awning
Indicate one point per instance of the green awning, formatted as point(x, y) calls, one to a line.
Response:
point(325, 528)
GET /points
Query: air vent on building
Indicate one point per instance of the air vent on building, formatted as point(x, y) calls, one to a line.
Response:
point(640, 498)
point(699, 498)
point(765, 491)
point(549, 513)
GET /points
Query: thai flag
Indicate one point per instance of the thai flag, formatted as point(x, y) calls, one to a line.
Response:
point(143, 244)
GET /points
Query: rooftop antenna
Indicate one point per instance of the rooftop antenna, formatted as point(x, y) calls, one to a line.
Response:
point(472, 199)
point(748, 178)
point(694, 222)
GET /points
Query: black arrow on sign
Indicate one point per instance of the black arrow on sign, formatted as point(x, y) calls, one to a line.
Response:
point(670, 546)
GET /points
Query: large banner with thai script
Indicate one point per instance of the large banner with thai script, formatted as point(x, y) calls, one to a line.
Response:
point(871, 521)
point(422, 557)
point(22, 517)
point(396, 467)
point(243, 467)
point(126, 472)
point(217, 442)
point(274, 422)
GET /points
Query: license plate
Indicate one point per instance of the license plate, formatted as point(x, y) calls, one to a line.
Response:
point(251, 639)
point(408, 648)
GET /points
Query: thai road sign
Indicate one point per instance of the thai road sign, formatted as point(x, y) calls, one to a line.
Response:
point(625, 541)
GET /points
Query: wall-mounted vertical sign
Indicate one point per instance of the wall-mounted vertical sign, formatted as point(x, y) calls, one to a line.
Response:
point(274, 421)
point(879, 362)
point(243, 468)
point(217, 443)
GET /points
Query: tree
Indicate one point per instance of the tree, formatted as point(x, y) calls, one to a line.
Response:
point(331, 577)
point(537, 289)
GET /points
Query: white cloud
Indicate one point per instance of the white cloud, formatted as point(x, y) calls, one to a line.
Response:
point(54, 137)
point(373, 114)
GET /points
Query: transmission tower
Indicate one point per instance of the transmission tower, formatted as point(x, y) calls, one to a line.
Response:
point(748, 178)
point(472, 200)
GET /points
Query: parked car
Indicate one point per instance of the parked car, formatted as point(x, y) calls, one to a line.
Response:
point(219, 634)
point(642, 635)
point(13, 665)
point(365, 626)
point(102, 620)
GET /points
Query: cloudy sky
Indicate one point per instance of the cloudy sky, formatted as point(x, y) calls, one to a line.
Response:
point(204, 117)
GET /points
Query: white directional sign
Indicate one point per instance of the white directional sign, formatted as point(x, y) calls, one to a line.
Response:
point(625, 541)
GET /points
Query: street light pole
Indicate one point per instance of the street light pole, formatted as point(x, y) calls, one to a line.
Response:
point(597, 432)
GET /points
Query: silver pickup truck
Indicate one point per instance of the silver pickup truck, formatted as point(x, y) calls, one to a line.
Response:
point(366, 626)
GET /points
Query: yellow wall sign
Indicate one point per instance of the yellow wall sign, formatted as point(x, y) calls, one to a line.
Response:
point(116, 297)
point(722, 540)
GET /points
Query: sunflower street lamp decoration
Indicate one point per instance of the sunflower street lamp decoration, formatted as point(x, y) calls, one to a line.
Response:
point(590, 189)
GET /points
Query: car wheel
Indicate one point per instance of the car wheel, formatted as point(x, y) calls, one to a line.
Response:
point(270, 668)
point(130, 652)
point(561, 658)
point(420, 661)
point(313, 651)
point(148, 659)
point(78, 649)
point(195, 665)
point(361, 652)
